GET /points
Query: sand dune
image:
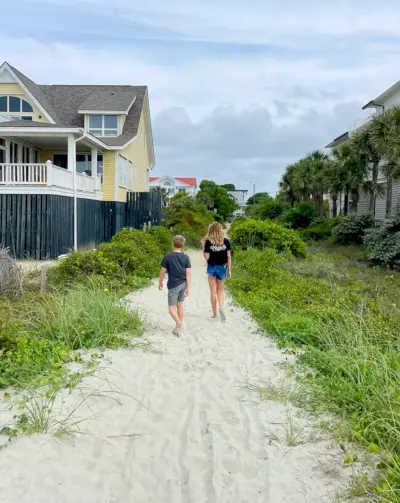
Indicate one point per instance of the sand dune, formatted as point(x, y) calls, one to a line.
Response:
point(198, 434)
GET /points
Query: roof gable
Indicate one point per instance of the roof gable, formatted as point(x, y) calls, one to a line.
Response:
point(109, 100)
point(32, 90)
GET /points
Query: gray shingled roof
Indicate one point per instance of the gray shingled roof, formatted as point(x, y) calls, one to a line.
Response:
point(109, 100)
point(27, 124)
point(62, 102)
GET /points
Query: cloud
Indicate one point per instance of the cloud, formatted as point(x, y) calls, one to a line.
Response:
point(238, 89)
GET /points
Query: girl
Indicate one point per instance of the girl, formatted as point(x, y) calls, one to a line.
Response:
point(217, 252)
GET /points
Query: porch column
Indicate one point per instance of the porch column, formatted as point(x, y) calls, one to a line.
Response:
point(94, 163)
point(7, 145)
point(71, 152)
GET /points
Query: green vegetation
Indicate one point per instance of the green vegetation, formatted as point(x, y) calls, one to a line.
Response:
point(82, 309)
point(382, 243)
point(187, 216)
point(344, 316)
point(216, 199)
point(351, 230)
point(260, 235)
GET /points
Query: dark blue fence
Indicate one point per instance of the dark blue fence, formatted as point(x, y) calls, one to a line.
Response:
point(41, 226)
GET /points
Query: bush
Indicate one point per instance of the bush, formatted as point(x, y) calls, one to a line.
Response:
point(162, 237)
point(382, 243)
point(300, 216)
point(135, 252)
point(80, 265)
point(320, 228)
point(260, 235)
point(351, 229)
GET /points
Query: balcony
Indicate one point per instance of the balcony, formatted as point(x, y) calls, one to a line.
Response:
point(360, 123)
point(46, 178)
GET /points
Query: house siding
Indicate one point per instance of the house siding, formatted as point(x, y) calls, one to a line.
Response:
point(363, 203)
point(380, 208)
point(108, 176)
point(395, 194)
point(15, 89)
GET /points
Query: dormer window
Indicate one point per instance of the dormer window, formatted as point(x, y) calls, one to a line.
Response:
point(103, 125)
point(16, 107)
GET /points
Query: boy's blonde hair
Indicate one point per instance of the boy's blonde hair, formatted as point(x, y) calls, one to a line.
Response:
point(216, 234)
point(178, 242)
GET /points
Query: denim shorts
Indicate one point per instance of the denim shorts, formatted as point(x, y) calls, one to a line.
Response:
point(217, 271)
point(176, 294)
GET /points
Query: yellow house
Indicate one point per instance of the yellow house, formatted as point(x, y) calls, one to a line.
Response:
point(55, 139)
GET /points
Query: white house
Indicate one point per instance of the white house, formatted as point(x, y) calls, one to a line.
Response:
point(388, 99)
point(173, 185)
point(240, 197)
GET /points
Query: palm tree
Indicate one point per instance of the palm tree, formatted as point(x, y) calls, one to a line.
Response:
point(315, 163)
point(345, 171)
point(365, 151)
point(385, 137)
point(289, 190)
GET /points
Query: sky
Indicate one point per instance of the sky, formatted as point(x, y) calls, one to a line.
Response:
point(238, 89)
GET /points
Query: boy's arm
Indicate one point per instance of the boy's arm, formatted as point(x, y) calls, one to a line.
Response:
point(161, 278)
point(188, 281)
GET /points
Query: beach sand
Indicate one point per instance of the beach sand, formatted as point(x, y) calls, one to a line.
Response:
point(181, 426)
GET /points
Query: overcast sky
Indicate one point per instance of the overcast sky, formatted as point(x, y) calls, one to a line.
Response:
point(238, 89)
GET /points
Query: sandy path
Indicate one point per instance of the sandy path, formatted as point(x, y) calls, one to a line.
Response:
point(202, 437)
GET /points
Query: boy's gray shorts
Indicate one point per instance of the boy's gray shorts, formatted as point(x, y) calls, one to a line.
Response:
point(176, 294)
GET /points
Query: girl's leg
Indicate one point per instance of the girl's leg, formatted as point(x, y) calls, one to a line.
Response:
point(212, 282)
point(220, 293)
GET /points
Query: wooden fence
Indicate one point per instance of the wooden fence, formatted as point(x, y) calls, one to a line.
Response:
point(41, 226)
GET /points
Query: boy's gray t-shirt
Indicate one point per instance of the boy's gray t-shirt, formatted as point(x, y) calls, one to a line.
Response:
point(176, 264)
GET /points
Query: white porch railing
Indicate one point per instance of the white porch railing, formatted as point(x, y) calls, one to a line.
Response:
point(359, 123)
point(46, 174)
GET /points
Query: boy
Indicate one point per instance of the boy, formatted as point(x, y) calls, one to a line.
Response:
point(178, 266)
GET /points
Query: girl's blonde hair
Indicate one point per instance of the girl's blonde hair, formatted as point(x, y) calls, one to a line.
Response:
point(215, 234)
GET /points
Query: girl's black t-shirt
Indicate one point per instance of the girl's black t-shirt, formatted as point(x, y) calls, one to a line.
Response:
point(218, 253)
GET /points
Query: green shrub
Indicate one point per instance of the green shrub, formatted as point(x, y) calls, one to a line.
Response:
point(162, 237)
point(300, 216)
point(79, 265)
point(351, 229)
point(265, 234)
point(382, 243)
point(193, 240)
point(319, 229)
point(185, 213)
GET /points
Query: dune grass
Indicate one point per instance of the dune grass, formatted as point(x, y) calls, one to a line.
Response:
point(344, 317)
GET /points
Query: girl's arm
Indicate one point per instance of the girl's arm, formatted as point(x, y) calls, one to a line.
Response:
point(229, 264)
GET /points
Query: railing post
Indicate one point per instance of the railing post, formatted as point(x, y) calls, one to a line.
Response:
point(49, 173)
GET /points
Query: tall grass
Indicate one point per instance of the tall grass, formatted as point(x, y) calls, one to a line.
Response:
point(48, 328)
point(345, 317)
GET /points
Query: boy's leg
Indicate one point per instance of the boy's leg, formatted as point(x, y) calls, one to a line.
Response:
point(173, 295)
point(181, 310)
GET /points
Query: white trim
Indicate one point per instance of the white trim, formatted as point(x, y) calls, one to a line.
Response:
point(116, 176)
point(56, 191)
point(103, 112)
point(5, 66)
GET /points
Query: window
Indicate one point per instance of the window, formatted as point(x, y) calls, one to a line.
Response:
point(83, 163)
point(122, 171)
point(103, 125)
point(16, 105)
point(130, 175)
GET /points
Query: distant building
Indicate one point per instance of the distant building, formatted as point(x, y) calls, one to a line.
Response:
point(240, 197)
point(173, 185)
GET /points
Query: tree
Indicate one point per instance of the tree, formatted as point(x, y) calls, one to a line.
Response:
point(289, 190)
point(385, 137)
point(366, 153)
point(216, 198)
point(258, 198)
point(228, 186)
